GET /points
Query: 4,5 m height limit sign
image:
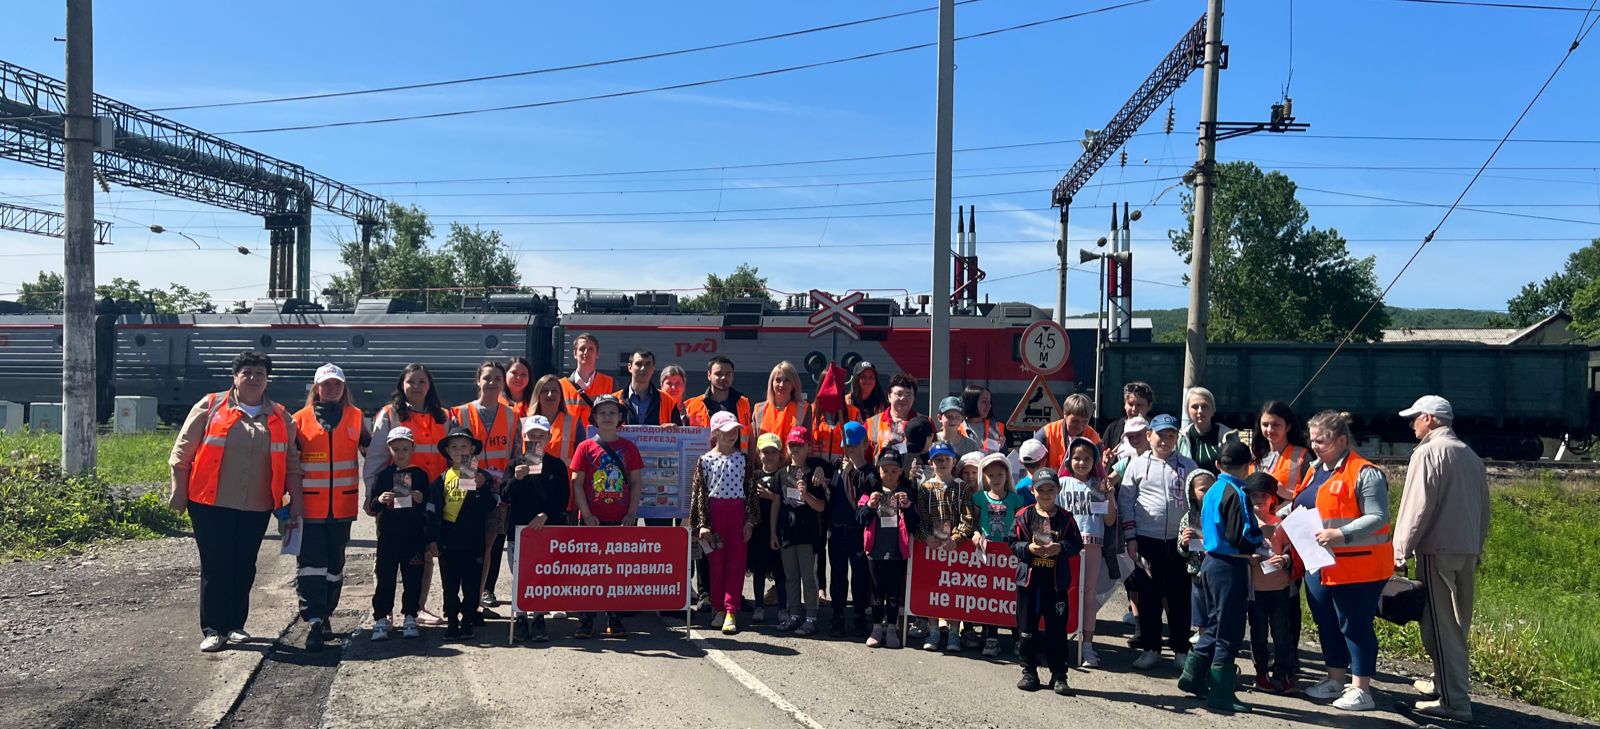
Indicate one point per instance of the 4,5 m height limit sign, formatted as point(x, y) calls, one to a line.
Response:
point(1044, 351)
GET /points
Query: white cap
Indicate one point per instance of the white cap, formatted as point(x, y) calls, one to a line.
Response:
point(400, 433)
point(1433, 405)
point(535, 422)
point(1033, 451)
point(328, 372)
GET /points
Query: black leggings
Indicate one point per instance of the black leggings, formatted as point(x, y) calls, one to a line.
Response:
point(406, 560)
point(888, 584)
point(1041, 599)
point(460, 566)
point(496, 552)
point(229, 541)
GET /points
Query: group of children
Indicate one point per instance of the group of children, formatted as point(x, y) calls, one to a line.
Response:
point(772, 513)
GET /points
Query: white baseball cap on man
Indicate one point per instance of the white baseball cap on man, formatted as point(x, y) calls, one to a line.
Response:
point(1433, 405)
point(328, 372)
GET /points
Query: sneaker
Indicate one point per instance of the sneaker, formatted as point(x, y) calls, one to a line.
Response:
point(1128, 618)
point(380, 629)
point(410, 629)
point(785, 617)
point(771, 598)
point(1355, 699)
point(1090, 658)
point(427, 618)
point(467, 632)
point(213, 642)
point(1327, 688)
point(970, 639)
point(991, 647)
point(1058, 684)
point(489, 599)
point(789, 623)
point(556, 615)
point(1265, 683)
point(539, 633)
point(1438, 710)
point(1194, 638)
point(931, 643)
point(703, 605)
point(808, 627)
point(953, 643)
point(327, 628)
point(238, 636)
point(1426, 687)
point(729, 625)
point(759, 616)
point(615, 629)
point(1146, 660)
point(877, 638)
point(314, 637)
point(585, 628)
point(452, 630)
point(1284, 686)
point(891, 636)
point(520, 632)
point(1029, 680)
point(918, 628)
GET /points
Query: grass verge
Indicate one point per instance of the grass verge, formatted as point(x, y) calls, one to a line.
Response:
point(1534, 633)
point(43, 510)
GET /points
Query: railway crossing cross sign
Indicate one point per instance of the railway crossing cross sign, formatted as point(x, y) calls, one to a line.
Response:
point(1044, 347)
point(1037, 408)
point(834, 315)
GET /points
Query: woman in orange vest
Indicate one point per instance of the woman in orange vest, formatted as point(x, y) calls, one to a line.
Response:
point(978, 405)
point(566, 431)
point(493, 424)
point(519, 387)
point(1280, 448)
point(234, 460)
point(865, 394)
point(1352, 497)
point(331, 439)
point(783, 409)
point(414, 404)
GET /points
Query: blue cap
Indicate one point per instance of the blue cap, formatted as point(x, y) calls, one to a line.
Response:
point(854, 433)
point(948, 404)
point(941, 449)
point(1163, 422)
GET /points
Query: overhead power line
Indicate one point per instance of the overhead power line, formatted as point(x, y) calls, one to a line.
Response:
point(680, 86)
point(567, 67)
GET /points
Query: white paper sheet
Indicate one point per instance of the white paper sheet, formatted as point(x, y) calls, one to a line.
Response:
point(1302, 526)
point(291, 538)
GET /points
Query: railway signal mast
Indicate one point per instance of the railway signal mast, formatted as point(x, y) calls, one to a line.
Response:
point(1200, 47)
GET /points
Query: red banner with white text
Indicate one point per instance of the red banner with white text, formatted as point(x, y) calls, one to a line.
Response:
point(602, 569)
point(958, 582)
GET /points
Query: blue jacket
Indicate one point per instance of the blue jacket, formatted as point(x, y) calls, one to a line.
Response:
point(1227, 524)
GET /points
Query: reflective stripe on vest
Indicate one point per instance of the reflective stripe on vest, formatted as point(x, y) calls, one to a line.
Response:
point(565, 435)
point(987, 432)
point(496, 445)
point(782, 421)
point(699, 414)
point(1364, 559)
point(330, 462)
point(206, 469)
point(1289, 470)
point(578, 401)
point(827, 439)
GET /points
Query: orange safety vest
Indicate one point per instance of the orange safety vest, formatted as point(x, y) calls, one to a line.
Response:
point(880, 427)
point(426, 434)
point(1290, 469)
point(578, 401)
point(699, 415)
point(779, 421)
point(496, 455)
point(1055, 440)
point(1366, 559)
point(332, 465)
point(990, 434)
point(518, 408)
point(207, 467)
point(827, 441)
point(667, 407)
point(565, 435)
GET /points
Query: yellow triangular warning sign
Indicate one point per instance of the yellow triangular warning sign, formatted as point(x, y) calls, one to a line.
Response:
point(1037, 408)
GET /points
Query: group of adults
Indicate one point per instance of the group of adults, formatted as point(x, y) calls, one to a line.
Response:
point(239, 457)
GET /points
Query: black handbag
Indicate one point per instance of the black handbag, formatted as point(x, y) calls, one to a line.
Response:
point(1403, 600)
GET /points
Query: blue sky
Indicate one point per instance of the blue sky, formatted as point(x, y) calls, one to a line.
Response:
point(1360, 68)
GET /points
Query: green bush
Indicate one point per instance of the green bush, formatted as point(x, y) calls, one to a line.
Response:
point(43, 510)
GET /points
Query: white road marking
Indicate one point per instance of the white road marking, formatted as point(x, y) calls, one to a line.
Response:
point(749, 681)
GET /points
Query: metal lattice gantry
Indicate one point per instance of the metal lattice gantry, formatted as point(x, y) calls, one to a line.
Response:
point(44, 222)
point(151, 152)
point(1168, 75)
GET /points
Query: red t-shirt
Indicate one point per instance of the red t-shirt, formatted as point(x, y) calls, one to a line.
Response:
point(604, 483)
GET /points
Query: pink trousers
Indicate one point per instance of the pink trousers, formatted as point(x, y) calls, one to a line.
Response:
point(727, 563)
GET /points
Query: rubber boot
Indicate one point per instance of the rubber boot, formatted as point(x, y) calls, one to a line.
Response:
point(1193, 679)
point(1220, 696)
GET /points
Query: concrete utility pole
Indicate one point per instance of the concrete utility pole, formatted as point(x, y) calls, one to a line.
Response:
point(939, 322)
point(1194, 358)
point(77, 365)
point(1061, 267)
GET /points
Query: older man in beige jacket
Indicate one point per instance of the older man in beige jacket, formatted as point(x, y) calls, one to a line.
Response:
point(1443, 521)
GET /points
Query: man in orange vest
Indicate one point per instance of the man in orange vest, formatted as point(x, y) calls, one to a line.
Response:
point(719, 397)
point(644, 403)
point(1074, 423)
point(585, 384)
point(888, 428)
point(331, 437)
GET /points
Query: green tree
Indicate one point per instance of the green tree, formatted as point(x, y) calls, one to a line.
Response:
point(402, 264)
point(45, 294)
point(1575, 290)
point(175, 299)
point(744, 283)
point(1273, 277)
